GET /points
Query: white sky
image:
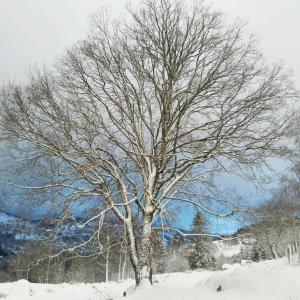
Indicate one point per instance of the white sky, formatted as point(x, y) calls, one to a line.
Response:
point(35, 31)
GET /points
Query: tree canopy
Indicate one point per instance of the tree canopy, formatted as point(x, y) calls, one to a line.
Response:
point(143, 111)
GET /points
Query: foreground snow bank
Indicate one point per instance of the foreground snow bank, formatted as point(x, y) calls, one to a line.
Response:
point(270, 280)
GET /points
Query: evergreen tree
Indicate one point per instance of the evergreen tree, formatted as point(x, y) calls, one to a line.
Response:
point(199, 226)
point(200, 256)
point(258, 253)
point(246, 251)
point(200, 251)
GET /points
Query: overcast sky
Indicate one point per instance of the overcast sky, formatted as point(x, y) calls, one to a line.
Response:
point(35, 31)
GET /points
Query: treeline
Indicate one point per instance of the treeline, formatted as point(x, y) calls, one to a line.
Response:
point(274, 226)
point(105, 257)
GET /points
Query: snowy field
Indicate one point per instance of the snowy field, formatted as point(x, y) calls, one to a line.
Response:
point(269, 280)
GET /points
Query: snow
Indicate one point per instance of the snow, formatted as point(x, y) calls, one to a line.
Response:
point(244, 262)
point(230, 267)
point(7, 219)
point(227, 250)
point(269, 280)
point(26, 236)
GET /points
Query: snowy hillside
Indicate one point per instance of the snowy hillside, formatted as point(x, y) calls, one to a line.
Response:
point(234, 247)
point(15, 232)
point(269, 280)
point(226, 249)
point(6, 218)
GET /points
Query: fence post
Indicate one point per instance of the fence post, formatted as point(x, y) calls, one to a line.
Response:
point(289, 250)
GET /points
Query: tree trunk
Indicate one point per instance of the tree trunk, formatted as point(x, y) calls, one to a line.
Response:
point(141, 260)
point(132, 249)
point(146, 253)
point(124, 265)
point(107, 262)
point(274, 253)
point(48, 270)
point(119, 269)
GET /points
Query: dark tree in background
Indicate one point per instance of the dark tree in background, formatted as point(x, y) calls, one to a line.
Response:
point(143, 111)
point(257, 253)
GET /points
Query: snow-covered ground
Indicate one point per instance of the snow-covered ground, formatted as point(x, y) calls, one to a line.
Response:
point(269, 280)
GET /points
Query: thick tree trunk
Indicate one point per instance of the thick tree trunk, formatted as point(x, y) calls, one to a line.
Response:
point(141, 259)
point(132, 250)
point(145, 257)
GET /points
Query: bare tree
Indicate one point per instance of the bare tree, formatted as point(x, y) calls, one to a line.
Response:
point(144, 110)
point(276, 222)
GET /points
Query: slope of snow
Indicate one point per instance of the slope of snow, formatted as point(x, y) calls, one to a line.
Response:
point(269, 280)
point(6, 218)
point(227, 250)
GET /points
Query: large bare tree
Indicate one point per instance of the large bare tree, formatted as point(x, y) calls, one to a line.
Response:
point(143, 110)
